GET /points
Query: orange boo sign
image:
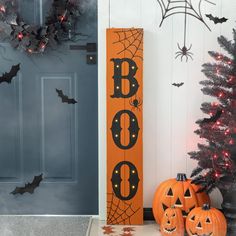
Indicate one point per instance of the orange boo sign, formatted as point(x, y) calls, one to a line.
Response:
point(124, 126)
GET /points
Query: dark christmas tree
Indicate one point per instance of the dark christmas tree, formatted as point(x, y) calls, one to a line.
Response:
point(217, 157)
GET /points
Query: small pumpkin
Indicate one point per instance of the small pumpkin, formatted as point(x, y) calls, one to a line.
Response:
point(206, 221)
point(172, 222)
point(179, 192)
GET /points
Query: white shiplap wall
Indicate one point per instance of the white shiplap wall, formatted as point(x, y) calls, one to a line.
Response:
point(169, 112)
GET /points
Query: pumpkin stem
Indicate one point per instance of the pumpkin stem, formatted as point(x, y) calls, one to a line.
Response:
point(206, 207)
point(181, 177)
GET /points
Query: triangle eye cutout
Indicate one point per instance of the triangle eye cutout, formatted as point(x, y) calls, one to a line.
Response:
point(164, 206)
point(208, 221)
point(170, 193)
point(192, 218)
point(187, 193)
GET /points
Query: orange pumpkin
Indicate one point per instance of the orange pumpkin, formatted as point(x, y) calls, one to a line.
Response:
point(206, 221)
point(172, 222)
point(179, 192)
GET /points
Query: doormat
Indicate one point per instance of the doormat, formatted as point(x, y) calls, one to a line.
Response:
point(44, 225)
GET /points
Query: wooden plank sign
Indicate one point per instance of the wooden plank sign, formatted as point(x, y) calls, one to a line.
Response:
point(124, 126)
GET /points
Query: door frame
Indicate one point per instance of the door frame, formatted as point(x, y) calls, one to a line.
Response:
point(103, 24)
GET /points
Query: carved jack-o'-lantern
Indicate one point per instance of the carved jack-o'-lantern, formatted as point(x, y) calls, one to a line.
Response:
point(172, 222)
point(179, 192)
point(206, 221)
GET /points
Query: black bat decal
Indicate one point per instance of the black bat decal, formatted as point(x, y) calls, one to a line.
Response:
point(8, 76)
point(30, 187)
point(178, 84)
point(213, 118)
point(64, 98)
point(216, 19)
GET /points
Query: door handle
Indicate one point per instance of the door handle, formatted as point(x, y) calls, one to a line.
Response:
point(89, 47)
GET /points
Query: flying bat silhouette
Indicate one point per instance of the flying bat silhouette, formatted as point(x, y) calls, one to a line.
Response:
point(64, 98)
point(178, 84)
point(214, 118)
point(216, 19)
point(30, 187)
point(8, 76)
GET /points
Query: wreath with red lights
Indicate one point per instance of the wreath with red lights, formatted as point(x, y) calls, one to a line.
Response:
point(60, 25)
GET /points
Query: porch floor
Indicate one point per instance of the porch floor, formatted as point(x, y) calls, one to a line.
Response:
point(150, 228)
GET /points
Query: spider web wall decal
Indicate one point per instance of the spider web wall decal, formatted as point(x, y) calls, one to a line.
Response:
point(115, 213)
point(132, 42)
point(174, 7)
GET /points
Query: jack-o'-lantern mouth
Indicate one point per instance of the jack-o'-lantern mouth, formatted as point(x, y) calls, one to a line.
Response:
point(196, 234)
point(169, 230)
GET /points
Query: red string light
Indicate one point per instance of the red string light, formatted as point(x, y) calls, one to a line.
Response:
point(217, 175)
point(42, 46)
point(62, 18)
point(227, 132)
point(20, 36)
point(231, 141)
point(2, 9)
point(231, 78)
point(225, 153)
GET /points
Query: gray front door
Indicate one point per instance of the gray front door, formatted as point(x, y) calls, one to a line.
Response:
point(41, 135)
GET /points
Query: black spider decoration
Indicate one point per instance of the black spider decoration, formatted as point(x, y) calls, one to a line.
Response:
point(135, 103)
point(184, 52)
